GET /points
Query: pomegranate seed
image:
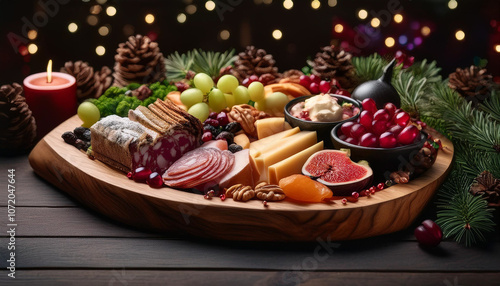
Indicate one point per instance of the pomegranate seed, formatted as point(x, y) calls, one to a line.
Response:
point(334, 82)
point(387, 140)
point(346, 128)
point(428, 234)
point(222, 197)
point(130, 175)
point(314, 88)
point(395, 129)
point(207, 136)
point(206, 197)
point(373, 189)
point(366, 118)
point(344, 201)
point(390, 108)
point(378, 126)
point(222, 118)
point(155, 180)
point(380, 186)
point(324, 86)
point(381, 114)
point(408, 134)
point(355, 194)
point(315, 78)
point(265, 204)
point(304, 80)
point(352, 141)
point(368, 140)
point(369, 104)
point(342, 137)
point(357, 130)
point(343, 92)
point(141, 174)
point(211, 193)
point(402, 118)
point(254, 78)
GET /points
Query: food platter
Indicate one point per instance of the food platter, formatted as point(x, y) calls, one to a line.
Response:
point(112, 194)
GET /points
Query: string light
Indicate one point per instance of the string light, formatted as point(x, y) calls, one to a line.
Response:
point(338, 28)
point(398, 18)
point(111, 11)
point(103, 31)
point(452, 4)
point(332, 3)
point(210, 5)
point(191, 9)
point(403, 40)
point(315, 4)
point(181, 18)
point(32, 34)
point(72, 27)
point(288, 4)
point(150, 18)
point(460, 35)
point(375, 22)
point(497, 48)
point(92, 20)
point(224, 34)
point(32, 48)
point(362, 14)
point(100, 50)
point(277, 34)
point(425, 31)
point(389, 42)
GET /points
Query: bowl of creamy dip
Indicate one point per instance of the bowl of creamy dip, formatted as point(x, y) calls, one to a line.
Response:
point(321, 113)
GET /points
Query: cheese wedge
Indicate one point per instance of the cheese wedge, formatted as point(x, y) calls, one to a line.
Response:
point(291, 165)
point(242, 140)
point(268, 126)
point(257, 145)
point(286, 148)
point(244, 171)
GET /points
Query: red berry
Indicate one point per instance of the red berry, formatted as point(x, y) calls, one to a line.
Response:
point(368, 140)
point(351, 140)
point(355, 194)
point(141, 174)
point(212, 122)
point(344, 201)
point(314, 88)
point(408, 135)
point(428, 234)
point(379, 126)
point(335, 83)
point(357, 130)
point(395, 129)
point(343, 92)
point(390, 108)
point(387, 140)
point(130, 175)
point(370, 105)
point(222, 118)
point(246, 82)
point(315, 78)
point(265, 204)
point(402, 118)
point(346, 128)
point(207, 136)
point(305, 81)
point(222, 197)
point(253, 78)
point(373, 189)
point(380, 186)
point(381, 114)
point(366, 118)
point(212, 115)
point(324, 86)
point(155, 180)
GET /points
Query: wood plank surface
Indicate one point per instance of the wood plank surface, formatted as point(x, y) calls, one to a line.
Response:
point(139, 253)
point(243, 278)
point(112, 194)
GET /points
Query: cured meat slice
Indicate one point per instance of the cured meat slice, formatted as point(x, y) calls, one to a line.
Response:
point(174, 174)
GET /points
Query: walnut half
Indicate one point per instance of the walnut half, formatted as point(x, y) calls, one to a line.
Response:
point(269, 192)
point(246, 115)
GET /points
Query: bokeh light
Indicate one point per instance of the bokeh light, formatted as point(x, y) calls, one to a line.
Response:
point(338, 28)
point(315, 4)
point(32, 48)
point(398, 18)
point(362, 14)
point(288, 4)
point(150, 18)
point(375, 22)
point(224, 34)
point(210, 5)
point(277, 34)
point(100, 50)
point(72, 27)
point(460, 35)
point(111, 11)
point(181, 18)
point(426, 31)
point(32, 34)
point(389, 42)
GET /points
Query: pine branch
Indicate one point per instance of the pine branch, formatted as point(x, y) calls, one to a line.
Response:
point(472, 162)
point(430, 71)
point(212, 62)
point(369, 68)
point(462, 216)
point(411, 90)
point(492, 104)
point(178, 65)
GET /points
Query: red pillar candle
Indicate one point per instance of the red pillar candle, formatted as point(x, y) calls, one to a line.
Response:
point(51, 102)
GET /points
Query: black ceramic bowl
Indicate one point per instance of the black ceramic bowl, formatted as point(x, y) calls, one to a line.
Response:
point(383, 161)
point(323, 129)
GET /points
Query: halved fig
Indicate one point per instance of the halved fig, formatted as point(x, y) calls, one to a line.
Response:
point(334, 169)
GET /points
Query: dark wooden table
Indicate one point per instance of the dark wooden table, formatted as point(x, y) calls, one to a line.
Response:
point(60, 242)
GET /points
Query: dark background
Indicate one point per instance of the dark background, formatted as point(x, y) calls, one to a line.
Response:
point(304, 29)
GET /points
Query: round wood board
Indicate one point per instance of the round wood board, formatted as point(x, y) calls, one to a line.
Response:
point(111, 193)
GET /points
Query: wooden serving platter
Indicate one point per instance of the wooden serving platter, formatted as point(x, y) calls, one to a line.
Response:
point(111, 193)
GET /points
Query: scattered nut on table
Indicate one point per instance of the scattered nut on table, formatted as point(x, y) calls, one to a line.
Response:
point(240, 193)
point(269, 192)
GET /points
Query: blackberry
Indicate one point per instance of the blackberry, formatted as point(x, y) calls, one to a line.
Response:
point(79, 131)
point(232, 127)
point(234, 148)
point(69, 137)
point(86, 136)
point(228, 136)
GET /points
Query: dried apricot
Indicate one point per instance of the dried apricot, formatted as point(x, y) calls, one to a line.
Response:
point(304, 189)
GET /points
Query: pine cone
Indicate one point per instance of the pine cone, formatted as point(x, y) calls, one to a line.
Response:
point(17, 125)
point(333, 62)
point(488, 187)
point(138, 60)
point(256, 62)
point(472, 83)
point(89, 84)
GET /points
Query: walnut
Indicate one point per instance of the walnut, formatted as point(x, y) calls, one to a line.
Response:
point(246, 115)
point(268, 192)
point(400, 177)
point(240, 193)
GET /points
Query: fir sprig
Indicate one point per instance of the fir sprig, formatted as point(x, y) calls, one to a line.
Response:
point(463, 217)
point(211, 63)
point(178, 65)
point(411, 90)
point(472, 162)
point(492, 104)
point(369, 68)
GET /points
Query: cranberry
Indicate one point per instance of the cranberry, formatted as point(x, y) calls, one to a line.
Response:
point(254, 78)
point(381, 114)
point(222, 118)
point(366, 118)
point(387, 140)
point(408, 134)
point(207, 136)
point(428, 234)
point(395, 129)
point(357, 130)
point(324, 86)
point(315, 78)
point(402, 118)
point(370, 105)
point(368, 140)
point(314, 88)
point(305, 81)
point(211, 122)
point(351, 140)
point(346, 127)
point(379, 126)
point(213, 115)
point(155, 180)
point(246, 82)
point(390, 108)
point(141, 174)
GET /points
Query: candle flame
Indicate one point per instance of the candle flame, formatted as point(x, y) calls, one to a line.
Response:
point(49, 72)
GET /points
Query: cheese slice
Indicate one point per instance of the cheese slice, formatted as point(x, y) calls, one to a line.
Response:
point(269, 126)
point(286, 148)
point(242, 140)
point(244, 171)
point(291, 165)
point(257, 145)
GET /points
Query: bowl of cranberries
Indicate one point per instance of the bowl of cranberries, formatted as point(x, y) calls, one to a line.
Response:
point(386, 138)
point(297, 114)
